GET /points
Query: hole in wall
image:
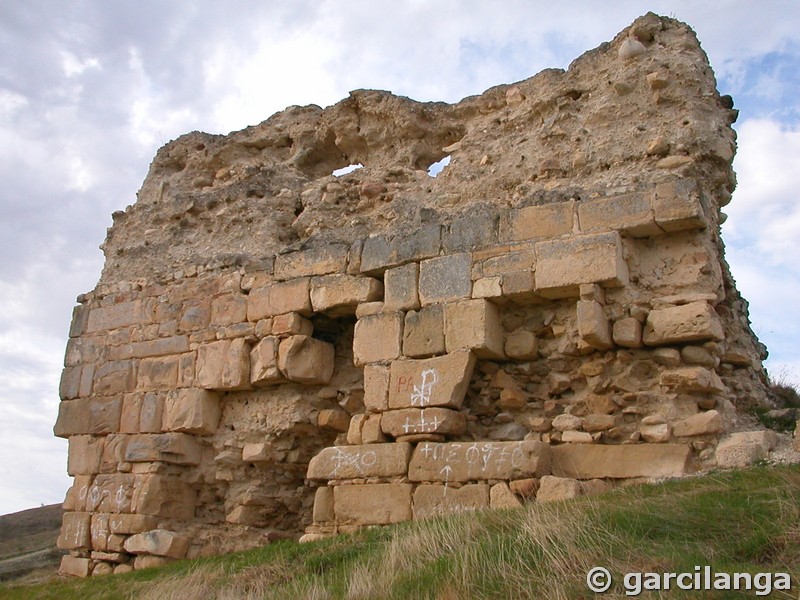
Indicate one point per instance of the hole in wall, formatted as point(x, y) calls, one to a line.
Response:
point(438, 166)
point(347, 169)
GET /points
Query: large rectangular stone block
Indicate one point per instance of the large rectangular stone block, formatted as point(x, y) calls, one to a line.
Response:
point(677, 206)
point(306, 360)
point(118, 315)
point(433, 500)
point(382, 252)
point(158, 542)
point(75, 531)
point(280, 298)
point(630, 213)
point(340, 294)
point(160, 373)
point(96, 416)
point(192, 410)
point(474, 228)
point(377, 338)
point(401, 288)
point(111, 493)
point(518, 258)
point(475, 461)
point(322, 260)
point(84, 455)
point(373, 504)
point(173, 448)
point(563, 265)
point(440, 381)
point(166, 497)
point(264, 362)
point(596, 461)
point(228, 309)
point(376, 388)
point(695, 321)
point(445, 278)
point(593, 325)
point(543, 221)
point(423, 332)
point(126, 524)
point(160, 347)
point(474, 325)
point(223, 365)
point(413, 421)
point(114, 376)
point(356, 462)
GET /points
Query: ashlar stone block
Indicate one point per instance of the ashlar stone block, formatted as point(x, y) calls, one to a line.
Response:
point(378, 338)
point(597, 461)
point(75, 531)
point(695, 321)
point(445, 278)
point(279, 299)
point(440, 381)
point(373, 504)
point(563, 265)
point(223, 365)
point(544, 221)
point(356, 462)
point(174, 448)
point(340, 294)
point(264, 362)
point(306, 360)
point(423, 332)
point(192, 410)
point(629, 213)
point(402, 288)
point(593, 325)
point(158, 542)
point(474, 325)
point(434, 500)
point(95, 416)
point(471, 461)
point(412, 421)
point(376, 388)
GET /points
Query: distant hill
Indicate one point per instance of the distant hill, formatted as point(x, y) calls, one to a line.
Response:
point(28, 541)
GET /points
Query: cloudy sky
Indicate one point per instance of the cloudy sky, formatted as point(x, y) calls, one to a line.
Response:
point(90, 90)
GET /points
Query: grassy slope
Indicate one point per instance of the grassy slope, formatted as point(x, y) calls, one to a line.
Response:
point(734, 521)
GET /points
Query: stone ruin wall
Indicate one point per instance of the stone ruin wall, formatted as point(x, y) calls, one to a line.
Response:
point(272, 348)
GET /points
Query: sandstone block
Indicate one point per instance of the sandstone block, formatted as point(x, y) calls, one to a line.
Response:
point(229, 309)
point(677, 206)
point(114, 377)
point(513, 258)
point(356, 462)
point(264, 362)
point(702, 423)
point(334, 418)
point(520, 287)
point(423, 332)
point(330, 258)
point(341, 294)
point(291, 324)
point(95, 416)
point(173, 448)
point(85, 454)
point(371, 432)
point(118, 315)
point(376, 388)
point(471, 461)
point(410, 421)
point(692, 379)
point(306, 360)
point(223, 365)
point(192, 410)
point(544, 221)
point(158, 542)
point(149, 348)
point(377, 338)
point(75, 531)
point(100, 531)
point(165, 497)
point(151, 413)
point(373, 504)
point(254, 453)
point(501, 497)
point(745, 448)
point(596, 461)
point(593, 326)
point(75, 566)
point(445, 278)
point(323, 505)
point(656, 433)
point(563, 265)
point(158, 373)
point(401, 288)
point(111, 493)
point(126, 524)
point(487, 287)
point(521, 345)
point(75, 498)
point(629, 213)
point(627, 333)
point(474, 325)
point(279, 299)
point(557, 488)
point(433, 500)
point(695, 321)
point(440, 381)
point(354, 430)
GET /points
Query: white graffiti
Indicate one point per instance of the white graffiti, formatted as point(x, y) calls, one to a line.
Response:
point(421, 425)
point(357, 461)
point(421, 394)
point(483, 455)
